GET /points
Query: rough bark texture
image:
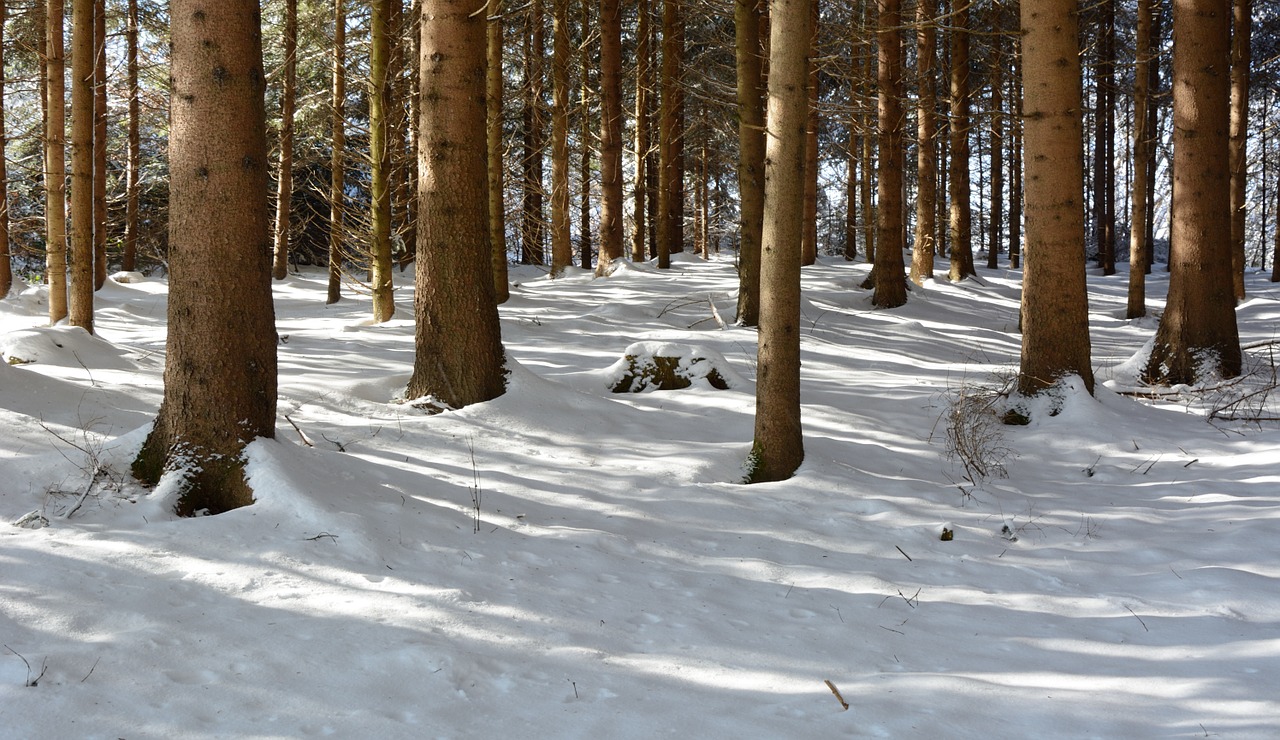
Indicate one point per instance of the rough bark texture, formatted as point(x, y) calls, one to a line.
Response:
point(458, 345)
point(6, 269)
point(1198, 338)
point(779, 447)
point(1138, 257)
point(337, 163)
point(927, 148)
point(670, 172)
point(284, 173)
point(890, 284)
point(610, 134)
point(996, 224)
point(133, 163)
point(1055, 318)
point(55, 166)
point(533, 227)
point(384, 307)
point(961, 215)
point(496, 168)
point(82, 58)
point(220, 369)
point(751, 141)
point(644, 84)
point(561, 247)
point(809, 237)
point(1015, 163)
point(99, 144)
point(1104, 168)
point(1242, 14)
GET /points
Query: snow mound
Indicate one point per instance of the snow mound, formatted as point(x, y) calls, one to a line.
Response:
point(666, 366)
point(64, 346)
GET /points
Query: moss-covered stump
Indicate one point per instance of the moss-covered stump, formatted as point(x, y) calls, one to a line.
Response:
point(665, 367)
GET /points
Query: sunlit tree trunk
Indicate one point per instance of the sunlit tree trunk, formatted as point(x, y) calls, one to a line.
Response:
point(866, 162)
point(533, 226)
point(961, 214)
point(927, 145)
point(1242, 15)
point(384, 307)
point(644, 87)
point(1198, 338)
point(778, 448)
point(99, 144)
point(610, 134)
point(55, 166)
point(751, 144)
point(338, 140)
point(220, 366)
point(561, 246)
point(670, 131)
point(996, 224)
point(1055, 315)
point(585, 129)
point(1142, 160)
point(133, 161)
point(6, 268)
point(284, 177)
point(458, 357)
point(496, 167)
point(809, 237)
point(82, 61)
point(890, 285)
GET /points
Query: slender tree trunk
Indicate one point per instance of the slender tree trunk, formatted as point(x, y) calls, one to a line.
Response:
point(496, 168)
point(458, 358)
point(890, 285)
point(337, 163)
point(927, 145)
point(220, 368)
point(1242, 20)
point(1015, 162)
point(996, 225)
point(1055, 315)
point(6, 268)
point(284, 179)
point(778, 448)
point(133, 163)
point(670, 169)
point(1198, 338)
point(82, 61)
point(1104, 174)
point(55, 166)
point(748, 17)
point(533, 228)
point(809, 238)
point(644, 87)
point(851, 187)
point(561, 246)
point(1142, 160)
point(384, 307)
point(961, 214)
point(610, 134)
point(99, 144)
point(866, 163)
point(584, 172)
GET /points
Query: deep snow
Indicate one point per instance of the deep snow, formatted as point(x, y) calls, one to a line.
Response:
point(1122, 581)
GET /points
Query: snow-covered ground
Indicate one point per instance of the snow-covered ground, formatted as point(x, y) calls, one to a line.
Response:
point(569, 562)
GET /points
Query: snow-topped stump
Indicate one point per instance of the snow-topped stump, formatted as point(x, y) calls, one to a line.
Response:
point(667, 367)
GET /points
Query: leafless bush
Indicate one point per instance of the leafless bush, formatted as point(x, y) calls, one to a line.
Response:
point(973, 430)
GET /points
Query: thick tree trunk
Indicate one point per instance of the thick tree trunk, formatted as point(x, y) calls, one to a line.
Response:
point(458, 357)
point(99, 144)
point(1055, 317)
point(890, 285)
point(82, 60)
point(284, 178)
point(778, 448)
point(384, 307)
point(1198, 338)
point(133, 162)
point(747, 21)
point(670, 154)
point(55, 165)
point(496, 167)
point(961, 214)
point(338, 140)
point(927, 144)
point(1242, 13)
point(610, 134)
point(220, 369)
point(561, 246)
point(1142, 160)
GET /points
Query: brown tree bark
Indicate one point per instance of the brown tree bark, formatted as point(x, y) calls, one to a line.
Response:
point(1104, 167)
point(284, 177)
point(561, 246)
point(6, 268)
point(99, 144)
point(585, 248)
point(458, 357)
point(384, 307)
point(496, 168)
point(133, 161)
point(778, 448)
point(1242, 21)
point(610, 134)
point(82, 62)
point(1139, 259)
point(1198, 338)
point(220, 368)
point(995, 225)
point(809, 237)
point(961, 215)
point(55, 165)
point(338, 141)
point(927, 144)
point(643, 140)
point(747, 21)
point(890, 285)
point(670, 136)
point(1055, 317)
point(533, 225)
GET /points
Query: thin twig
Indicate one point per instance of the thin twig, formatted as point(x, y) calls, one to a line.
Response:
point(90, 673)
point(1135, 616)
point(904, 554)
point(839, 698)
point(305, 441)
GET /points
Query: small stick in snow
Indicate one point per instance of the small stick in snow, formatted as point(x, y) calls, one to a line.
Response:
point(305, 441)
point(904, 554)
point(90, 673)
point(1135, 616)
point(839, 698)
